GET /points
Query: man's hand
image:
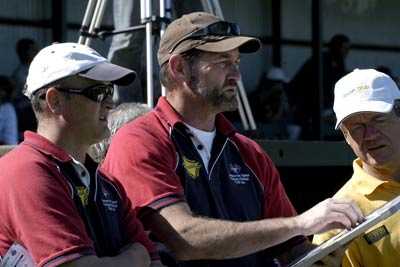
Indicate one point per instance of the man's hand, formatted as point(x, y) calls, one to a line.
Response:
point(334, 259)
point(330, 214)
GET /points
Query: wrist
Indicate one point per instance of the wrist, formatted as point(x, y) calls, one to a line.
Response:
point(298, 226)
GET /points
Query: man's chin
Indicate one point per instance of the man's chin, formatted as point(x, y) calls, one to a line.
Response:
point(230, 105)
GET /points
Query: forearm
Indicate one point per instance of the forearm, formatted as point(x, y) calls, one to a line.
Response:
point(192, 237)
point(219, 239)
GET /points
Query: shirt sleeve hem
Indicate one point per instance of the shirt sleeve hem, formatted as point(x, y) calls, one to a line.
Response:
point(66, 255)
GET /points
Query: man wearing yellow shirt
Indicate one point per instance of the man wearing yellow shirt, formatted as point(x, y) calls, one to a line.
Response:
point(367, 108)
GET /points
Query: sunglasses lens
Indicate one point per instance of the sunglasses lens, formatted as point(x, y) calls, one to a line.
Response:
point(223, 28)
point(99, 93)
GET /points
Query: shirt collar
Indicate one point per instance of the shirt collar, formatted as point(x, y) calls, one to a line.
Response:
point(168, 114)
point(45, 146)
point(366, 183)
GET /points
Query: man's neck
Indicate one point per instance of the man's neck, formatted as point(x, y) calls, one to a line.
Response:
point(194, 113)
point(385, 173)
point(65, 141)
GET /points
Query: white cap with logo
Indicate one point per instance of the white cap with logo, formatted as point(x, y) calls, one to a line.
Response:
point(61, 60)
point(364, 90)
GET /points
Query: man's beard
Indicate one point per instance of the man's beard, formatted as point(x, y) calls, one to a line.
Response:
point(216, 96)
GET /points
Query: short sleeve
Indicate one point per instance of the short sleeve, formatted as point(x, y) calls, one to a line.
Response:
point(145, 166)
point(38, 212)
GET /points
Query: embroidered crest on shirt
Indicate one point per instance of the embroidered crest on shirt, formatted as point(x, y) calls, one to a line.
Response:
point(376, 235)
point(83, 193)
point(109, 203)
point(236, 175)
point(192, 167)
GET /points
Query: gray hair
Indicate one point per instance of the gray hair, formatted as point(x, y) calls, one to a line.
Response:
point(117, 117)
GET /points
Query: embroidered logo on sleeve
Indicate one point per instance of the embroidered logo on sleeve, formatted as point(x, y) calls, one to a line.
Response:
point(376, 235)
point(192, 167)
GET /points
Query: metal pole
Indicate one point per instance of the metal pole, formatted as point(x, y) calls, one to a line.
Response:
point(165, 12)
point(246, 105)
point(276, 32)
point(242, 114)
point(87, 18)
point(146, 17)
point(97, 18)
point(317, 70)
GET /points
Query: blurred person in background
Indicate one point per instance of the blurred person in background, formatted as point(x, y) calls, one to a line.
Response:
point(117, 117)
point(303, 87)
point(26, 50)
point(8, 117)
point(271, 108)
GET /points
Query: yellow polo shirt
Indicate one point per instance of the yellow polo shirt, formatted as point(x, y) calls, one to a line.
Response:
point(380, 245)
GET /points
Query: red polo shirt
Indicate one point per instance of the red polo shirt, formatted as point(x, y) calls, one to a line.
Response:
point(37, 209)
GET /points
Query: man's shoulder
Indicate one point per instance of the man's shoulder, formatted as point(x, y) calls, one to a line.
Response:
point(148, 124)
point(247, 145)
point(350, 190)
point(23, 161)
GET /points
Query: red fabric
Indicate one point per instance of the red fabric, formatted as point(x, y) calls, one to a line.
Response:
point(37, 209)
point(143, 157)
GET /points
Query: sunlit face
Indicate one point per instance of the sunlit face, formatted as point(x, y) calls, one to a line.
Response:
point(214, 78)
point(374, 138)
point(85, 117)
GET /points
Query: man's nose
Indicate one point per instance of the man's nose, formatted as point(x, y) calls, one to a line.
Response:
point(235, 72)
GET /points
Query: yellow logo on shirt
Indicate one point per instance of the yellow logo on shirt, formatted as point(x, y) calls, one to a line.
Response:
point(192, 167)
point(83, 193)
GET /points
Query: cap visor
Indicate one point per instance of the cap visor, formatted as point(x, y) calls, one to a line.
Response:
point(370, 106)
point(108, 72)
point(245, 45)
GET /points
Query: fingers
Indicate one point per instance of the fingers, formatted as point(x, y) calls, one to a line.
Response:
point(330, 214)
point(349, 209)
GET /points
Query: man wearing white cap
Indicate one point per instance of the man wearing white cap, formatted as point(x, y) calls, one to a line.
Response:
point(367, 108)
point(55, 207)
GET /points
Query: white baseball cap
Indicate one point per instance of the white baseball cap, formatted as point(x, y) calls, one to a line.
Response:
point(61, 60)
point(364, 90)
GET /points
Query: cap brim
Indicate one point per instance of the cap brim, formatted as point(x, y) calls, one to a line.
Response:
point(245, 45)
point(370, 106)
point(108, 72)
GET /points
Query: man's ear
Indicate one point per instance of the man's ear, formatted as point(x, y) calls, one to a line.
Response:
point(179, 68)
point(54, 100)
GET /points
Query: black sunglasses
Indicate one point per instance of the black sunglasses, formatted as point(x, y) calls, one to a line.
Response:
point(97, 93)
point(220, 28)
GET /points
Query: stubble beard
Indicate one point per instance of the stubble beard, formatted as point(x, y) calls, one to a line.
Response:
point(217, 98)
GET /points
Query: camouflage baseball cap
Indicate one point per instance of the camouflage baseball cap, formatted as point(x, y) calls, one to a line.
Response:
point(205, 32)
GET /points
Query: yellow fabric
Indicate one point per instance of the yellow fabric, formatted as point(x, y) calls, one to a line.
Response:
point(370, 193)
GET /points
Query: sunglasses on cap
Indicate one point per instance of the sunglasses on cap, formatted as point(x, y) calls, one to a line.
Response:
point(97, 93)
point(220, 28)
